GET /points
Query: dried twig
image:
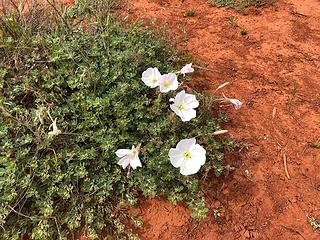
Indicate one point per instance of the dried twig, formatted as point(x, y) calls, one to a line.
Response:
point(308, 145)
point(305, 149)
point(19, 213)
point(56, 222)
point(222, 85)
point(295, 13)
point(219, 132)
point(285, 165)
point(294, 231)
point(7, 114)
point(274, 112)
point(53, 5)
point(204, 68)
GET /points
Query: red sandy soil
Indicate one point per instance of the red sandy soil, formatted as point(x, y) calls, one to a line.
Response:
point(274, 70)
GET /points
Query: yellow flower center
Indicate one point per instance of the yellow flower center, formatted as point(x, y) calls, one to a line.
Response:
point(153, 79)
point(133, 153)
point(181, 106)
point(166, 83)
point(187, 155)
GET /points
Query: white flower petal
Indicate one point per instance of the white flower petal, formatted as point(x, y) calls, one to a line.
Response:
point(151, 77)
point(55, 131)
point(236, 103)
point(164, 89)
point(156, 73)
point(186, 144)
point(175, 83)
point(199, 154)
point(176, 157)
point(135, 162)
point(124, 162)
point(191, 101)
point(122, 152)
point(187, 115)
point(189, 167)
point(180, 96)
point(147, 72)
point(187, 69)
point(175, 109)
point(181, 115)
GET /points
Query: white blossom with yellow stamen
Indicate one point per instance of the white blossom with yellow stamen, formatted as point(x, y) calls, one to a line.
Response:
point(151, 77)
point(188, 156)
point(129, 157)
point(183, 105)
point(168, 82)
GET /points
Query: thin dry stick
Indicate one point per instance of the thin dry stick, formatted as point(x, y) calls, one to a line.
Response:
point(285, 165)
point(19, 213)
point(293, 230)
point(6, 114)
point(222, 85)
point(55, 220)
point(203, 68)
point(219, 132)
point(53, 5)
point(274, 112)
point(305, 149)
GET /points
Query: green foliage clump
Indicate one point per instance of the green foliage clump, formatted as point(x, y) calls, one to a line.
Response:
point(241, 4)
point(90, 80)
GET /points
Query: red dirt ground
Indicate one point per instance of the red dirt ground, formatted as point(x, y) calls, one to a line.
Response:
point(274, 70)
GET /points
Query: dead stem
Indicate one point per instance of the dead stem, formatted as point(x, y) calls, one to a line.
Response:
point(293, 230)
point(285, 165)
point(204, 68)
point(19, 213)
point(274, 112)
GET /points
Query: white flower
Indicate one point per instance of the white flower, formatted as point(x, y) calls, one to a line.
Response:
point(235, 102)
point(184, 105)
point(55, 131)
point(168, 82)
point(188, 156)
point(129, 157)
point(151, 77)
point(187, 69)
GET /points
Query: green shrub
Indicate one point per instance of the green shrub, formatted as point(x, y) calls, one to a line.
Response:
point(90, 80)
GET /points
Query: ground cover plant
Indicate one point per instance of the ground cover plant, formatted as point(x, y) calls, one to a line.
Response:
point(71, 98)
point(241, 4)
point(249, 195)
